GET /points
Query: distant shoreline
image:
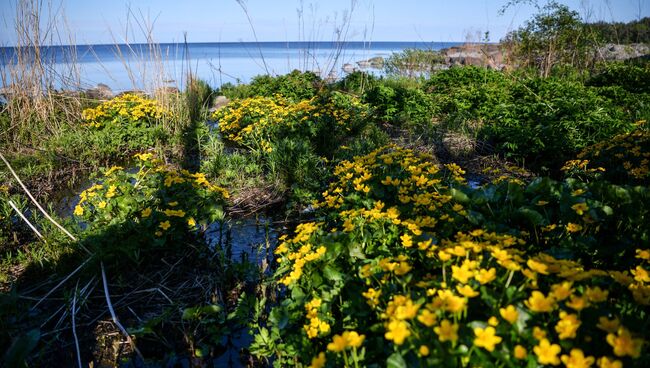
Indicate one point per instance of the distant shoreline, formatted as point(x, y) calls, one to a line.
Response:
point(265, 43)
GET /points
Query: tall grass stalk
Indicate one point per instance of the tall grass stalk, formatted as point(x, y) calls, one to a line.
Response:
point(32, 72)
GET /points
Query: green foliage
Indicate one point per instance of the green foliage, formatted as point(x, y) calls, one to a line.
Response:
point(413, 62)
point(401, 102)
point(408, 266)
point(198, 95)
point(294, 86)
point(623, 159)
point(632, 78)
point(146, 211)
point(635, 31)
point(356, 82)
point(555, 36)
point(549, 120)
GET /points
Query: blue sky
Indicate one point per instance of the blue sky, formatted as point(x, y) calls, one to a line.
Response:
point(105, 21)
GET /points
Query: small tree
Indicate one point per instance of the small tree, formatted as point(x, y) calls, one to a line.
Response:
point(555, 36)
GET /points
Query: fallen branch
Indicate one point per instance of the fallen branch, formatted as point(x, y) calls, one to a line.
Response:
point(114, 317)
point(61, 283)
point(74, 325)
point(36, 203)
point(11, 203)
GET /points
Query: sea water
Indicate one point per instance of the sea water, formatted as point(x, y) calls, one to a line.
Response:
point(138, 66)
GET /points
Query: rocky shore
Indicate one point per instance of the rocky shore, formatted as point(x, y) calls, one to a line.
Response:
point(495, 56)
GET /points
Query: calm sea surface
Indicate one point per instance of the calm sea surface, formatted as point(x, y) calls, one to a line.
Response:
point(125, 67)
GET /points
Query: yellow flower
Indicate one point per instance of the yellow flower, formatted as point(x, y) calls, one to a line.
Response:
point(466, 291)
point(486, 338)
point(146, 212)
point(319, 361)
point(606, 362)
point(538, 333)
point(509, 313)
point(539, 303)
point(353, 339)
point(447, 331)
point(520, 352)
point(462, 274)
point(423, 350)
point(485, 276)
point(572, 228)
point(541, 203)
point(596, 294)
point(78, 210)
point(577, 359)
point(561, 291)
point(111, 191)
point(398, 331)
point(578, 303)
point(191, 222)
point(608, 325)
point(567, 326)
point(643, 254)
point(624, 344)
point(493, 321)
point(338, 344)
point(538, 267)
point(164, 225)
point(640, 274)
point(427, 318)
point(177, 213)
point(547, 352)
point(580, 208)
point(407, 242)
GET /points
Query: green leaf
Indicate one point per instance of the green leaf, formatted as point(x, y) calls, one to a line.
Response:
point(196, 312)
point(459, 196)
point(531, 215)
point(608, 210)
point(396, 360)
point(332, 273)
point(279, 317)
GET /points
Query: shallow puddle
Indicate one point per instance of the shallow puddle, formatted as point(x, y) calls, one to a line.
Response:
point(243, 240)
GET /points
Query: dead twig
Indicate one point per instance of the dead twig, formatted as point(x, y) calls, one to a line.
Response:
point(61, 283)
point(74, 325)
point(11, 203)
point(36, 203)
point(114, 317)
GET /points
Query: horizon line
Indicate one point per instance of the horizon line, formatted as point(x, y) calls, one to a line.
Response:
point(253, 42)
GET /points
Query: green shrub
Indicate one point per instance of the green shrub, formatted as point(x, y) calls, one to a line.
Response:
point(295, 86)
point(407, 266)
point(135, 214)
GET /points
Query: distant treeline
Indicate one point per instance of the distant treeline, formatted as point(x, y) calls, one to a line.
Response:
point(637, 31)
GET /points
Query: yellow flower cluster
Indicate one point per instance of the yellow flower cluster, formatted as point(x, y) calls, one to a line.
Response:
point(477, 287)
point(316, 325)
point(128, 107)
point(627, 154)
point(250, 121)
point(296, 261)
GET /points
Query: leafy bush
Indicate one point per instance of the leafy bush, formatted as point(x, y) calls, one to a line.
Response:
point(403, 104)
point(632, 78)
point(413, 62)
point(356, 82)
point(129, 214)
point(549, 120)
point(624, 159)
point(295, 86)
point(253, 122)
point(400, 272)
point(125, 110)
point(555, 36)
